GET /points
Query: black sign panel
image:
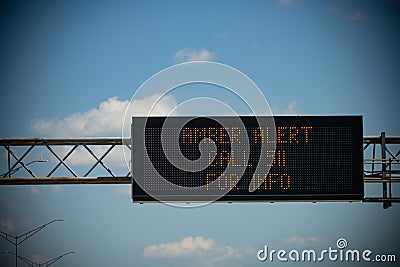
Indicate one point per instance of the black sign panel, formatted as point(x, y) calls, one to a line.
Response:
point(304, 158)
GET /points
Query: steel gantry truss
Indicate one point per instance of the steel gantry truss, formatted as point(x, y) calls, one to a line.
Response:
point(61, 150)
point(382, 165)
point(20, 160)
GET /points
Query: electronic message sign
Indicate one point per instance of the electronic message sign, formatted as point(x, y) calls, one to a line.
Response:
point(247, 158)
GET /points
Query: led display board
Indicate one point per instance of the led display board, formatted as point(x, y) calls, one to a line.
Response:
point(281, 158)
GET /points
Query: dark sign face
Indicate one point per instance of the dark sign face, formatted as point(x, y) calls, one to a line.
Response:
point(282, 158)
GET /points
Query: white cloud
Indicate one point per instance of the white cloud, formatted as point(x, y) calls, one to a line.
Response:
point(95, 122)
point(105, 120)
point(301, 240)
point(186, 55)
point(286, 2)
point(199, 251)
point(359, 16)
point(187, 247)
point(6, 225)
point(289, 110)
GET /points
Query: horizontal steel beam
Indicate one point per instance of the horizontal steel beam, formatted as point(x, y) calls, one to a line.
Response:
point(64, 180)
point(377, 179)
point(378, 139)
point(379, 199)
point(63, 141)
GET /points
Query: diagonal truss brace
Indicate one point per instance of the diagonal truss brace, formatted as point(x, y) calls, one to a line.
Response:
point(19, 161)
point(61, 161)
point(99, 160)
point(11, 143)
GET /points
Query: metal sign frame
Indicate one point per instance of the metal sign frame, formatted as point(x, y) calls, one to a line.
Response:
point(354, 127)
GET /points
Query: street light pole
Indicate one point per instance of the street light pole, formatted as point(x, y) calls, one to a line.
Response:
point(32, 263)
point(11, 171)
point(18, 239)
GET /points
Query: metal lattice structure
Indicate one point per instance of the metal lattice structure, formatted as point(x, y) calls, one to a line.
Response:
point(381, 162)
point(16, 163)
point(382, 165)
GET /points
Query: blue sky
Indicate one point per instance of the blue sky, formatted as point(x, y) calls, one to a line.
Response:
point(68, 68)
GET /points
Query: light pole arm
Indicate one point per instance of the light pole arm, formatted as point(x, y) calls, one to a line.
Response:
point(32, 263)
point(29, 262)
point(30, 233)
point(50, 262)
point(7, 236)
